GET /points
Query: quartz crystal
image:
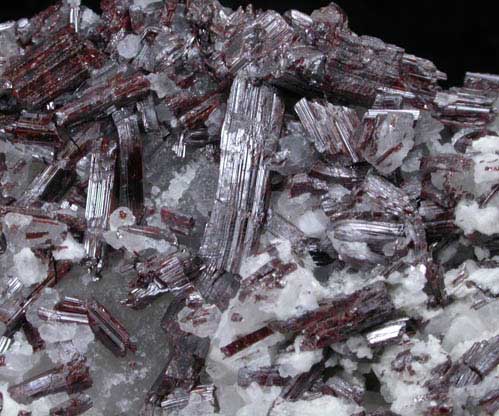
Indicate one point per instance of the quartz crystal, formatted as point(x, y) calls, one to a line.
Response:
point(206, 211)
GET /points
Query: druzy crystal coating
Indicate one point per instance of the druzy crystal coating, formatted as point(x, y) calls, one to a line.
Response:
point(206, 211)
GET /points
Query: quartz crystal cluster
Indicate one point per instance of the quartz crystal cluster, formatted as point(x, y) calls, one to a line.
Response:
point(206, 211)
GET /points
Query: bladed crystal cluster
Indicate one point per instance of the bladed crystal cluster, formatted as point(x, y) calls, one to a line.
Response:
point(206, 211)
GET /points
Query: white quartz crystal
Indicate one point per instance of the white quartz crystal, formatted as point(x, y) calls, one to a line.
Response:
point(486, 279)
point(129, 46)
point(297, 362)
point(162, 85)
point(202, 321)
point(313, 223)
point(258, 400)
point(70, 249)
point(135, 243)
point(470, 218)
point(322, 406)
point(28, 268)
point(19, 359)
point(121, 217)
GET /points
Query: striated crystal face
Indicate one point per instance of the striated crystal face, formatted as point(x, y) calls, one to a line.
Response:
point(206, 211)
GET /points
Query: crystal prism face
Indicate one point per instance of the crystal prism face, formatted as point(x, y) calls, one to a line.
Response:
point(340, 318)
point(386, 138)
point(72, 377)
point(206, 211)
point(130, 163)
point(331, 128)
point(51, 68)
point(255, 113)
point(99, 198)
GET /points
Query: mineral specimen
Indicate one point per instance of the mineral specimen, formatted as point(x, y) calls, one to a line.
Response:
point(253, 121)
point(71, 377)
point(206, 211)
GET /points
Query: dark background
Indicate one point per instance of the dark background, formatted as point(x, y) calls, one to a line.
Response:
point(457, 35)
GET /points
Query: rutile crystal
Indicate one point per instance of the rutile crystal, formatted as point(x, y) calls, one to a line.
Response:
point(71, 378)
point(119, 91)
point(99, 199)
point(55, 66)
point(109, 330)
point(483, 82)
point(462, 107)
point(74, 406)
point(157, 276)
point(36, 128)
point(338, 318)
point(330, 127)
point(253, 112)
point(130, 162)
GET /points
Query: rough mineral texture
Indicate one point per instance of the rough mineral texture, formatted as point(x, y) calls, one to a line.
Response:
point(206, 211)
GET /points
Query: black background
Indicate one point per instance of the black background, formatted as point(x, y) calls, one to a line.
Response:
point(457, 35)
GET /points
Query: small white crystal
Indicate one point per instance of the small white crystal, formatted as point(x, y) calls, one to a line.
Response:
point(129, 46)
point(17, 220)
point(121, 217)
point(297, 362)
point(201, 321)
point(486, 279)
point(162, 85)
point(135, 243)
point(19, 359)
point(178, 186)
point(29, 269)
point(470, 218)
point(322, 406)
point(258, 399)
point(313, 223)
point(83, 337)
point(407, 292)
point(70, 249)
point(88, 18)
point(57, 332)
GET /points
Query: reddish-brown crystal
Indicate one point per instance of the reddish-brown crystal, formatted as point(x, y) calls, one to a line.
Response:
point(71, 378)
point(338, 318)
point(57, 65)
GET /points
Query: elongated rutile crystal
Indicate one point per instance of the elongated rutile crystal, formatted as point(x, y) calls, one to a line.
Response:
point(130, 162)
point(176, 221)
point(74, 406)
point(157, 276)
point(253, 121)
point(58, 64)
point(483, 82)
point(99, 200)
point(56, 178)
point(109, 330)
point(339, 387)
point(330, 127)
point(118, 91)
point(338, 318)
point(71, 378)
point(462, 107)
point(60, 316)
point(36, 128)
point(246, 341)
